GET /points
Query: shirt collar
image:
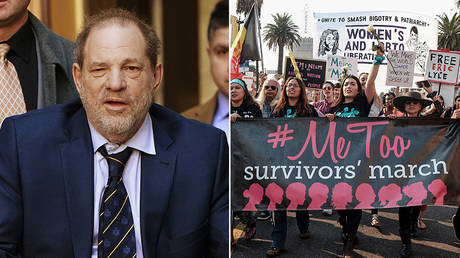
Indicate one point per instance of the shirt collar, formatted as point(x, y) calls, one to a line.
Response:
point(142, 141)
point(222, 107)
point(22, 42)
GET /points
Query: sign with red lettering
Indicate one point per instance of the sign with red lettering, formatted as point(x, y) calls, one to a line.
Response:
point(442, 66)
point(363, 163)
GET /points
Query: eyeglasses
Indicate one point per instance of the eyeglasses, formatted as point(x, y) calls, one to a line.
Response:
point(327, 88)
point(292, 85)
point(414, 102)
point(270, 87)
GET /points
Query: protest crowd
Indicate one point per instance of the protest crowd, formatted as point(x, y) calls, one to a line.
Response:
point(354, 96)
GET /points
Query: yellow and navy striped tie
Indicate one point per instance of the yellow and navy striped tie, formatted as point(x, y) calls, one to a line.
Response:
point(116, 236)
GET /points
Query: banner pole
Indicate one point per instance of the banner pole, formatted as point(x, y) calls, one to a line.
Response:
point(257, 77)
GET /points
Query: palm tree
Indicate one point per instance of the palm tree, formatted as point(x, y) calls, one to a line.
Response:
point(449, 32)
point(244, 6)
point(280, 34)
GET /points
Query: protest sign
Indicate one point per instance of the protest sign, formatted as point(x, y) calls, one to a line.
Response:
point(335, 64)
point(313, 72)
point(362, 163)
point(249, 80)
point(345, 34)
point(403, 64)
point(443, 66)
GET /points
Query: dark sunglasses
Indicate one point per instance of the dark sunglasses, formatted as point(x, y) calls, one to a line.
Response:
point(414, 102)
point(270, 87)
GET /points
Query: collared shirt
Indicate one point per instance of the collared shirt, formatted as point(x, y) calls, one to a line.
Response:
point(221, 116)
point(23, 55)
point(142, 141)
point(267, 110)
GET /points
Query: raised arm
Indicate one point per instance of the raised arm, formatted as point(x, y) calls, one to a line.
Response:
point(371, 93)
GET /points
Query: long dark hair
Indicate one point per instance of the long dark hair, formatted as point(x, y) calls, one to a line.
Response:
point(360, 89)
point(454, 106)
point(247, 99)
point(302, 107)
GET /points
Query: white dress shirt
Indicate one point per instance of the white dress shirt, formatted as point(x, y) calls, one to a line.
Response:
point(141, 141)
point(221, 116)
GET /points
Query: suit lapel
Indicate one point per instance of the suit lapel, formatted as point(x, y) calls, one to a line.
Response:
point(77, 161)
point(156, 182)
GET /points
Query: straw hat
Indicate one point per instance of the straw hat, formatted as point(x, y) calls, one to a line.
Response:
point(410, 96)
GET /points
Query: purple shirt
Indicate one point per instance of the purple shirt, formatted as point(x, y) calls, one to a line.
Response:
point(322, 106)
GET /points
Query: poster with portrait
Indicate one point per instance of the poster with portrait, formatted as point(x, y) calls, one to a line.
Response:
point(345, 34)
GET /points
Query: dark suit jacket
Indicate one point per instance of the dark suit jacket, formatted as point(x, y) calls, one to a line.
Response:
point(46, 186)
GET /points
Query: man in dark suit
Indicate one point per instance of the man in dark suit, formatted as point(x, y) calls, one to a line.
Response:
point(113, 175)
point(42, 59)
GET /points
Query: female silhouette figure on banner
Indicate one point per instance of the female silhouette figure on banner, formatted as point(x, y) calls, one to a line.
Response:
point(295, 192)
point(416, 192)
point(439, 190)
point(255, 195)
point(365, 195)
point(318, 194)
point(389, 196)
point(342, 194)
point(275, 193)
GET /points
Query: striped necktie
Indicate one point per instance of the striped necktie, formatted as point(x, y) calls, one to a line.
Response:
point(11, 97)
point(116, 236)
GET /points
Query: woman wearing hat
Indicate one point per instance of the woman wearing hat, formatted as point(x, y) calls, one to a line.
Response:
point(411, 104)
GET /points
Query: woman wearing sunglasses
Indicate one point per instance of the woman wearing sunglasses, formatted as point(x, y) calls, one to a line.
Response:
point(411, 104)
point(324, 105)
point(268, 97)
point(293, 103)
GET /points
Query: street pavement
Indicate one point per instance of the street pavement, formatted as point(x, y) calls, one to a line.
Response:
point(437, 240)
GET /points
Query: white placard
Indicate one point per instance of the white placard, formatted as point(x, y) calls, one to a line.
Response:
point(442, 66)
point(403, 63)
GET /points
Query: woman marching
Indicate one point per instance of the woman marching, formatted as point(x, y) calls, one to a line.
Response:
point(293, 103)
point(243, 106)
point(354, 101)
point(411, 104)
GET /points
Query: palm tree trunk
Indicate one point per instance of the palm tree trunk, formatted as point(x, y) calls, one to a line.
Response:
point(280, 58)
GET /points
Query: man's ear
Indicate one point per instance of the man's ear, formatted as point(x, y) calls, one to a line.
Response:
point(76, 72)
point(158, 75)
